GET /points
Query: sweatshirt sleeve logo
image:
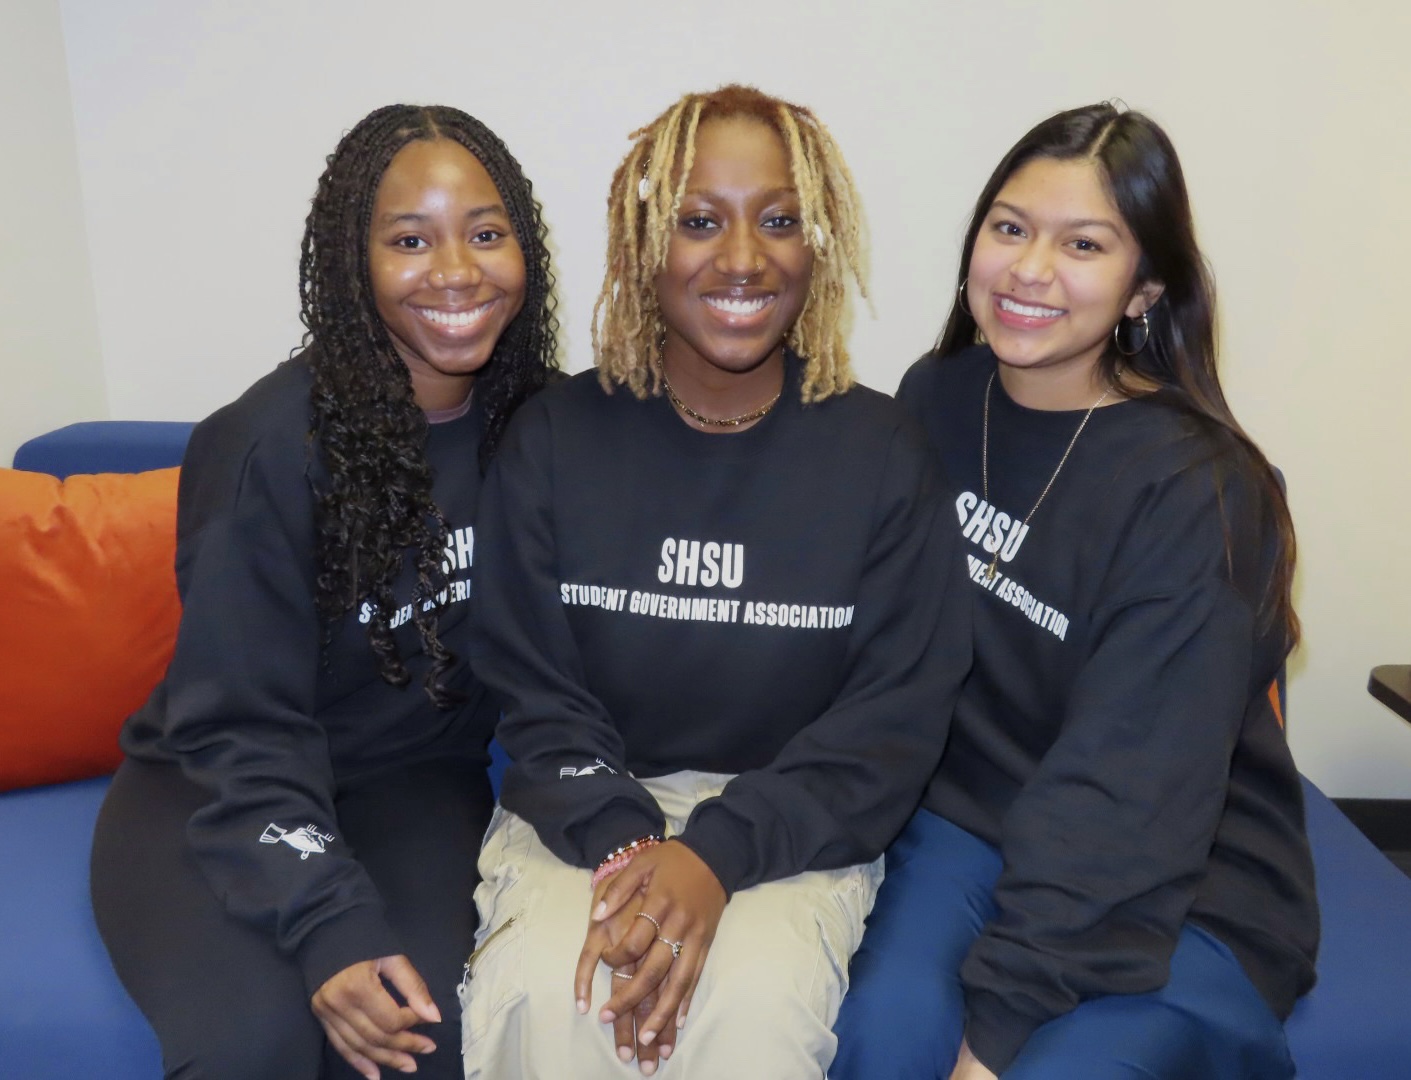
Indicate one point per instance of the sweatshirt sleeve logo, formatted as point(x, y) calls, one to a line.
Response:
point(599, 765)
point(306, 840)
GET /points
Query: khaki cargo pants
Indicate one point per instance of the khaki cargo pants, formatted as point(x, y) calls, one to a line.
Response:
point(767, 998)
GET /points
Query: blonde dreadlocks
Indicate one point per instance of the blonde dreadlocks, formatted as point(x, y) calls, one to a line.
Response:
point(643, 204)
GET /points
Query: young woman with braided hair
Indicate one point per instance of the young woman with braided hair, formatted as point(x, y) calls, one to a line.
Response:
point(1109, 875)
point(284, 865)
point(716, 618)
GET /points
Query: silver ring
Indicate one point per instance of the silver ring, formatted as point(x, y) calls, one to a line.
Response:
point(674, 946)
point(644, 915)
point(620, 975)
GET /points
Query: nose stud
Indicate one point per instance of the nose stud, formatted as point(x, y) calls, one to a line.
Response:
point(755, 272)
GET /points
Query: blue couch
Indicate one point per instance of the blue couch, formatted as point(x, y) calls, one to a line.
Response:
point(64, 1016)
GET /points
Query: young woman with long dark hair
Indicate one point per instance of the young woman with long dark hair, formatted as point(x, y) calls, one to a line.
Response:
point(283, 868)
point(1109, 876)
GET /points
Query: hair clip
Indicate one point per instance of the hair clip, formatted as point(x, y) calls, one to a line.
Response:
point(819, 240)
point(644, 188)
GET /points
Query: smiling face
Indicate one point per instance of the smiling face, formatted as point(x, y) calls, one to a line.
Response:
point(1052, 272)
point(737, 270)
point(447, 272)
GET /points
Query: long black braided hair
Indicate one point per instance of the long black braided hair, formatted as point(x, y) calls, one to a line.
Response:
point(368, 430)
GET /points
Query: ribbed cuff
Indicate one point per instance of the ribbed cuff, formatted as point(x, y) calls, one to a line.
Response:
point(722, 846)
point(995, 1032)
point(617, 824)
point(358, 934)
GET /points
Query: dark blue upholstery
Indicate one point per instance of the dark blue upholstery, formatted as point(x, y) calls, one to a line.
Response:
point(63, 1013)
point(1356, 1023)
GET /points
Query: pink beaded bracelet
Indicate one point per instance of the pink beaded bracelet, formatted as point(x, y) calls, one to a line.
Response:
point(616, 860)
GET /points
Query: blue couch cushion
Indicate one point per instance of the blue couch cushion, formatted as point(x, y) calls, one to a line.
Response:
point(65, 1015)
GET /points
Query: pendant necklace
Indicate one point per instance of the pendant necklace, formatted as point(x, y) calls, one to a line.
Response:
point(993, 568)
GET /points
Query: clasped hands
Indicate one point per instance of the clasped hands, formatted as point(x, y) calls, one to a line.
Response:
point(653, 923)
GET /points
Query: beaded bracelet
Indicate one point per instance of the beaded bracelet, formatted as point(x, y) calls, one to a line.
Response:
point(616, 860)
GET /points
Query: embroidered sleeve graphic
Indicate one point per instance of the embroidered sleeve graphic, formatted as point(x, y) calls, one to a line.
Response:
point(306, 840)
point(599, 765)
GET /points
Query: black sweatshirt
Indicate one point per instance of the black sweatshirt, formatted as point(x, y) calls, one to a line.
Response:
point(250, 706)
point(1115, 738)
point(772, 603)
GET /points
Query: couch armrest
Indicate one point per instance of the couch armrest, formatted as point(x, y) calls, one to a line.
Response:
point(101, 446)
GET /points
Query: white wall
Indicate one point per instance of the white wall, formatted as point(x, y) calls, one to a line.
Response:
point(51, 373)
point(201, 128)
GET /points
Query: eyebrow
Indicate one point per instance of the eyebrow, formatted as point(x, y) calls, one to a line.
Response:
point(772, 193)
point(1080, 223)
point(414, 218)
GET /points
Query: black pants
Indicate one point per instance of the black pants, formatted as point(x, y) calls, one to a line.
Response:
point(223, 1001)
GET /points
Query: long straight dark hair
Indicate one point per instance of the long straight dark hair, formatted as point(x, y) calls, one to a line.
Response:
point(1143, 177)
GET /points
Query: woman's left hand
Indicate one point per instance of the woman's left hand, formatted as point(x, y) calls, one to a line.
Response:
point(672, 884)
point(365, 1023)
point(603, 935)
point(968, 1067)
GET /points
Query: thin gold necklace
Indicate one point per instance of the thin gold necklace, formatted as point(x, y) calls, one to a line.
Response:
point(710, 421)
point(985, 465)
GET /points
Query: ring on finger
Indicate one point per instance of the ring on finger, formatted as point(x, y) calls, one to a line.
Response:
point(674, 946)
point(650, 919)
point(621, 975)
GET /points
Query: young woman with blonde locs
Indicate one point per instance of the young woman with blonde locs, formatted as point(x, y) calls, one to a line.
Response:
point(1109, 875)
point(283, 867)
point(720, 679)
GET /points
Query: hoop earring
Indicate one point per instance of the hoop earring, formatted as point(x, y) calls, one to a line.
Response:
point(960, 299)
point(1146, 335)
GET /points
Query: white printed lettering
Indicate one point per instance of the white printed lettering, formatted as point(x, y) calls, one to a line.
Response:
point(710, 564)
point(993, 541)
point(979, 522)
point(964, 503)
point(665, 570)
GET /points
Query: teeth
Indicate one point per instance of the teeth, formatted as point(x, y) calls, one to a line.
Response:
point(453, 318)
point(1031, 311)
point(738, 307)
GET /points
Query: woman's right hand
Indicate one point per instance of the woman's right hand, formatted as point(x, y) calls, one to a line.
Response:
point(685, 900)
point(365, 1024)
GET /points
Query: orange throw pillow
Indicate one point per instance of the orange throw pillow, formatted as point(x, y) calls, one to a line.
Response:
point(87, 572)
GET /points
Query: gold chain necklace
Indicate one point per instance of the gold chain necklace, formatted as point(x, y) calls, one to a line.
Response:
point(710, 421)
point(985, 465)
